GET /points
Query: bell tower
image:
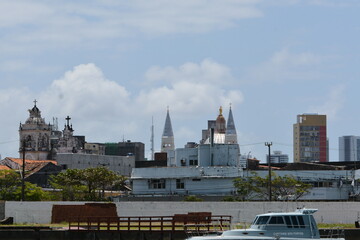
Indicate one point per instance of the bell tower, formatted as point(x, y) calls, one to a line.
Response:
point(34, 135)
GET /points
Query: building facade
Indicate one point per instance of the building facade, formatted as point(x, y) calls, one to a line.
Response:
point(34, 136)
point(126, 148)
point(349, 148)
point(277, 157)
point(122, 165)
point(42, 141)
point(310, 138)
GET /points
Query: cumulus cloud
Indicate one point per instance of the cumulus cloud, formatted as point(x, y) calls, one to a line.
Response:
point(285, 65)
point(104, 110)
point(190, 87)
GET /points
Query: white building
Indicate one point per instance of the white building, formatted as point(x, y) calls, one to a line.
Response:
point(184, 180)
point(277, 157)
point(349, 148)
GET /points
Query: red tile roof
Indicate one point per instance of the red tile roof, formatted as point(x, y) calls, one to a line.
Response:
point(2, 167)
point(27, 161)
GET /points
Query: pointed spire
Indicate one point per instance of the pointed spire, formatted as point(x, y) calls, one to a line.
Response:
point(230, 128)
point(167, 139)
point(230, 135)
point(168, 132)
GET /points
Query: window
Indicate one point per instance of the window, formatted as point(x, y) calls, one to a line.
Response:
point(295, 221)
point(262, 220)
point(183, 162)
point(288, 222)
point(276, 220)
point(157, 184)
point(193, 162)
point(180, 184)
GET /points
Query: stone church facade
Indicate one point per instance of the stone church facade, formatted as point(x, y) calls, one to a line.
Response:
point(41, 141)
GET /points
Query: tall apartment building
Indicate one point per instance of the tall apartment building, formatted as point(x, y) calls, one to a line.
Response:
point(349, 148)
point(310, 141)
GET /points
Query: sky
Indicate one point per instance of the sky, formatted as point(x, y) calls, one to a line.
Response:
point(113, 66)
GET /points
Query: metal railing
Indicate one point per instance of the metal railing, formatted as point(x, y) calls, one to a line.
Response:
point(151, 223)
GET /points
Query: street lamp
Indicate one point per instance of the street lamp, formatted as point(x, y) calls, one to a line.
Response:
point(268, 144)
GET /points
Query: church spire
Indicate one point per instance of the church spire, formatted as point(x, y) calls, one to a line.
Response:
point(230, 135)
point(168, 132)
point(167, 139)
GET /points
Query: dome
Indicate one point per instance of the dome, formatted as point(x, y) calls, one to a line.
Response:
point(220, 123)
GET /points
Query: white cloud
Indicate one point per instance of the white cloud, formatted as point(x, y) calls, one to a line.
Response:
point(287, 66)
point(105, 111)
point(332, 103)
point(39, 24)
point(190, 87)
point(86, 90)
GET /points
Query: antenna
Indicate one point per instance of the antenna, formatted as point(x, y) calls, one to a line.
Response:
point(152, 138)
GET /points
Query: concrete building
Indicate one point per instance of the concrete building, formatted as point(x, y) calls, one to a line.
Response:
point(94, 148)
point(277, 157)
point(310, 139)
point(122, 165)
point(126, 148)
point(349, 148)
point(205, 168)
point(184, 180)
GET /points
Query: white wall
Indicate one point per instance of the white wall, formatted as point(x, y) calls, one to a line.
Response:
point(329, 212)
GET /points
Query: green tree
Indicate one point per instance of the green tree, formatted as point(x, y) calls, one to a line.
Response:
point(247, 187)
point(9, 181)
point(283, 188)
point(32, 193)
point(70, 184)
point(86, 184)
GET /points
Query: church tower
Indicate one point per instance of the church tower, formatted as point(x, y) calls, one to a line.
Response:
point(230, 135)
point(34, 134)
point(220, 125)
point(167, 139)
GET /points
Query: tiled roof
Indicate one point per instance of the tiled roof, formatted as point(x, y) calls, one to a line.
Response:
point(31, 166)
point(27, 161)
point(2, 167)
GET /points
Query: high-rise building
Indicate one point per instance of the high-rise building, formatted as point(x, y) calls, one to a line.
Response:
point(310, 141)
point(349, 148)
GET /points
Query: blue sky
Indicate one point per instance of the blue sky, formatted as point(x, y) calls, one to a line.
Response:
point(113, 65)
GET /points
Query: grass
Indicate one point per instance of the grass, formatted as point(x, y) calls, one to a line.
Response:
point(336, 225)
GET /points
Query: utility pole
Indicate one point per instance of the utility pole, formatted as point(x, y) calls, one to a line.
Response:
point(23, 172)
point(268, 144)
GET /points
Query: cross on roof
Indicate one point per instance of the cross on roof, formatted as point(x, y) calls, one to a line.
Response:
point(67, 120)
point(35, 102)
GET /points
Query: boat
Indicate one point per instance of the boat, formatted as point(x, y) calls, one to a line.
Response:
point(297, 225)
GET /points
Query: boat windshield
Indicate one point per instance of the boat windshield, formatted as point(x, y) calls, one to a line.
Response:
point(262, 220)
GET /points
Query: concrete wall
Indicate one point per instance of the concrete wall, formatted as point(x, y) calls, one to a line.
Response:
point(329, 212)
point(122, 165)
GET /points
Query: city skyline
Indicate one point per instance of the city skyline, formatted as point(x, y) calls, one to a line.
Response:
point(112, 67)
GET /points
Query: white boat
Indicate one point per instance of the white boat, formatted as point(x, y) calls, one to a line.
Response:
point(298, 225)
